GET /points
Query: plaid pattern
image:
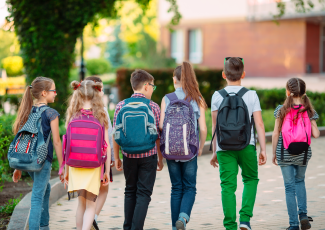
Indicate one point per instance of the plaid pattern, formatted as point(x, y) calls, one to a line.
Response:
point(156, 111)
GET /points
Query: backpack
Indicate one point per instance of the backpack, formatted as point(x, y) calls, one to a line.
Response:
point(28, 151)
point(84, 144)
point(296, 133)
point(233, 124)
point(179, 139)
point(135, 128)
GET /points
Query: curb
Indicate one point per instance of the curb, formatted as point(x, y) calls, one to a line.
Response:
point(19, 218)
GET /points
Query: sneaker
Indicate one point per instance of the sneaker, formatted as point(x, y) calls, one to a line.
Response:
point(95, 226)
point(180, 224)
point(245, 226)
point(293, 228)
point(304, 222)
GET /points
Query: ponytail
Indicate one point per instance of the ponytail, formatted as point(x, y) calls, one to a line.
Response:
point(25, 107)
point(190, 85)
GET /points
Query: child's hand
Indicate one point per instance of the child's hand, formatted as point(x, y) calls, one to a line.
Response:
point(66, 179)
point(200, 151)
point(262, 158)
point(118, 165)
point(61, 175)
point(160, 165)
point(16, 176)
point(112, 163)
point(214, 161)
point(105, 179)
point(274, 160)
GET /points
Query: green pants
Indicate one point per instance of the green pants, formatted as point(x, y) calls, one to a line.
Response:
point(229, 161)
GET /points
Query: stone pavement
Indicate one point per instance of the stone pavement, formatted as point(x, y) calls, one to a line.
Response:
point(270, 208)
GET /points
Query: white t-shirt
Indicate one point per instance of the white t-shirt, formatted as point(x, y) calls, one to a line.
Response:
point(250, 98)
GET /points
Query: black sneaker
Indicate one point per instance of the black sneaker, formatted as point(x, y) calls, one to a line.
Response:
point(95, 226)
point(304, 222)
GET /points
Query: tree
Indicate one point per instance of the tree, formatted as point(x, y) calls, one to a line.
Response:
point(301, 6)
point(116, 49)
point(48, 30)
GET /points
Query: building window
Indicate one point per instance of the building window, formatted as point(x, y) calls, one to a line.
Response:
point(195, 46)
point(177, 45)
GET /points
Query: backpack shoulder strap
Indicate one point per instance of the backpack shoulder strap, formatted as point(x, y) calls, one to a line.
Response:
point(172, 97)
point(223, 93)
point(242, 92)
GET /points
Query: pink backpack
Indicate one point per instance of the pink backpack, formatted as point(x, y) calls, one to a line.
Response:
point(296, 133)
point(84, 144)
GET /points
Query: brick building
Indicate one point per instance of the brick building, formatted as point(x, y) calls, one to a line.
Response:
point(213, 29)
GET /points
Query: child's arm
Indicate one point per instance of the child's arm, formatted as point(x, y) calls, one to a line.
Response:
point(203, 130)
point(261, 136)
point(160, 156)
point(108, 160)
point(162, 114)
point(275, 139)
point(314, 129)
point(57, 142)
point(118, 162)
point(214, 160)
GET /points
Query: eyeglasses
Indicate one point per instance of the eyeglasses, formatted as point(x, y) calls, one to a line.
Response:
point(227, 58)
point(52, 90)
point(153, 86)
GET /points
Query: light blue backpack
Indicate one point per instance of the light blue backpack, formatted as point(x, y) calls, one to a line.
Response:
point(135, 129)
point(28, 151)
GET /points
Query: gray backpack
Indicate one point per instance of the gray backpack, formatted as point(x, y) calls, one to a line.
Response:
point(28, 151)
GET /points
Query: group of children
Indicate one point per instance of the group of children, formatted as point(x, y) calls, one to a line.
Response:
point(147, 133)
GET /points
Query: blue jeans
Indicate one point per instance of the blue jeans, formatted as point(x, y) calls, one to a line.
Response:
point(183, 179)
point(39, 216)
point(294, 182)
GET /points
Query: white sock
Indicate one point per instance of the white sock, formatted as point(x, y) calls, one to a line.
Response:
point(96, 217)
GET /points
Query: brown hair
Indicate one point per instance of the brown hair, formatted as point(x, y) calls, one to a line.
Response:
point(297, 88)
point(233, 69)
point(139, 77)
point(34, 90)
point(86, 90)
point(186, 76)
point(94, 78)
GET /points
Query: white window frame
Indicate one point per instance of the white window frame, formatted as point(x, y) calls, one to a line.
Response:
point(196, 55)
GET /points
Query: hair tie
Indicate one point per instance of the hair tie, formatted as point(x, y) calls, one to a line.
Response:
point(291, 94)
point(30, 86)
point(76, 87)
point(98, 88)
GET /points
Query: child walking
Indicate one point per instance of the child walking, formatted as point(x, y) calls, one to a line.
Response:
point(103, 191)
point(86, 100)
point(295, 123)
point(43, 91)
point(182, 165)
point(135, 130)
point(234, 110)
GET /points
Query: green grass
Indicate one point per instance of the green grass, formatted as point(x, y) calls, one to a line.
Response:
point(9, 207)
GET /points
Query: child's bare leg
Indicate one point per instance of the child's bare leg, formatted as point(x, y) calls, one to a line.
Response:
point(89, 214)
point(103, 191)
point(80, 212)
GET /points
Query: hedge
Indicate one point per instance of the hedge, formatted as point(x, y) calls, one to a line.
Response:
point(209, 82)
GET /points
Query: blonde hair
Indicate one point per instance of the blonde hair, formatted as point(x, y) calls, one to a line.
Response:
point(32, 91)
point(86, 90)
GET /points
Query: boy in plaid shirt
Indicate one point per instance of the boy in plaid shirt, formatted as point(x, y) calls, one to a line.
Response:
point(139, 169)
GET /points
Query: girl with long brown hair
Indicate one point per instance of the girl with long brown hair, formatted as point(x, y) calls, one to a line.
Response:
point(183, 173)
point(292, 165)
point(39, 94)
point(86, 99)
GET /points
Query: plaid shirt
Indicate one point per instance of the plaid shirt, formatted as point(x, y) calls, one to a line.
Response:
point(156, 111)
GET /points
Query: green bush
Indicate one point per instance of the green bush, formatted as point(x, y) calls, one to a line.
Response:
point(9, 207)
point(13, 65)
point(98, 66)
point(209, 82)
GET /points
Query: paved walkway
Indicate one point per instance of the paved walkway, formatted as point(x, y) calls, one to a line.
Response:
point(269, 213)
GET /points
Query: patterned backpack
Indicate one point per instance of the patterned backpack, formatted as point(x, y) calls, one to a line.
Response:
point(179, 139)
point(28, 150)
point(84, 144)
point(296, 133)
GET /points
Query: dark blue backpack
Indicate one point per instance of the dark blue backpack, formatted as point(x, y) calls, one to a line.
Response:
point(135, 128)
point(28, 150)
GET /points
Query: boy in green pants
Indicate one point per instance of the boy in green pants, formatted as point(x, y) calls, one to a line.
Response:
point(245, 158)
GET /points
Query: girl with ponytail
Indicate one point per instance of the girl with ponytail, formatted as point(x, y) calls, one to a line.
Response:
point(183, 173)
point(87, 99)
point(39, 94)
point(292, 166)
